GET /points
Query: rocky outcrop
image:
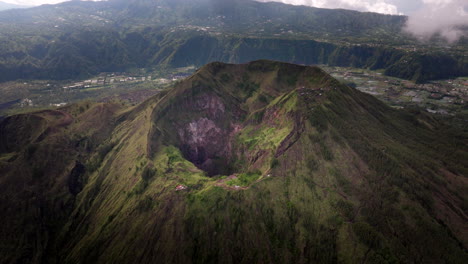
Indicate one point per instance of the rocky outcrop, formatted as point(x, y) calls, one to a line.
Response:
point(203, 142)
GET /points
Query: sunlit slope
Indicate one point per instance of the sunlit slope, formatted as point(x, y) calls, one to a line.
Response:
point(78, 39)
point(278, 163)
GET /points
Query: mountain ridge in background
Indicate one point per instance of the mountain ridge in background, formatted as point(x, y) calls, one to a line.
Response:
point(78, 39)
point(263, 162)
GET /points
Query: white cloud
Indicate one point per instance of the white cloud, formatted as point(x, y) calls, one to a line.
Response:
point(37, 2)
point(439, 16)
point(378, 6)
point(32, 2)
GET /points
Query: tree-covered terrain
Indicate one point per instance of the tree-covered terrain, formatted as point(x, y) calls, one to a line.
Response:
point(264, 162)
point(78, 39)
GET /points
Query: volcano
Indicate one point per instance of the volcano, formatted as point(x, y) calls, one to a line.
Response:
point(264, 162)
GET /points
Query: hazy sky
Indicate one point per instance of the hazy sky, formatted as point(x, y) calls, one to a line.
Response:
point(32, 2)
point(36, 2)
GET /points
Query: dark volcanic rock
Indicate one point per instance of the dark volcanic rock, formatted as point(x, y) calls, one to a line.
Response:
point(75, 179)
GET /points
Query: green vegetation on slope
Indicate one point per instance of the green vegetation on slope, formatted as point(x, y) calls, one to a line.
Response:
point(325, 174)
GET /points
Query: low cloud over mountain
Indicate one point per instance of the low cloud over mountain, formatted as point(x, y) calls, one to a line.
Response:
point(426, 17)
point(445, 17)
point(378, 6)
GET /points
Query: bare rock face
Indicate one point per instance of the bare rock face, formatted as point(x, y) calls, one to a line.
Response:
point(205, 141)
point(211, 104)
point(201, 130)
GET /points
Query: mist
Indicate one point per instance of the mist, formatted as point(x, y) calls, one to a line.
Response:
point(378, 6)
point(444, 17)
point(426, 18)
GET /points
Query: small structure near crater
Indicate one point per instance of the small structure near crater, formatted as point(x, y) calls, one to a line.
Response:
point(180, 187)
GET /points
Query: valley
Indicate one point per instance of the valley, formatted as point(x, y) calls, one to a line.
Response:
point(443, 97)
point(132, 88)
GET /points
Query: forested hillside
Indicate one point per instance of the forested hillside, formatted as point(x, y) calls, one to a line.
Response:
point(264, 162)
point(77, 39)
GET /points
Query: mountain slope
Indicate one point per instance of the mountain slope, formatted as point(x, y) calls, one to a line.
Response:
point(281, 164)
point(77, 39)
